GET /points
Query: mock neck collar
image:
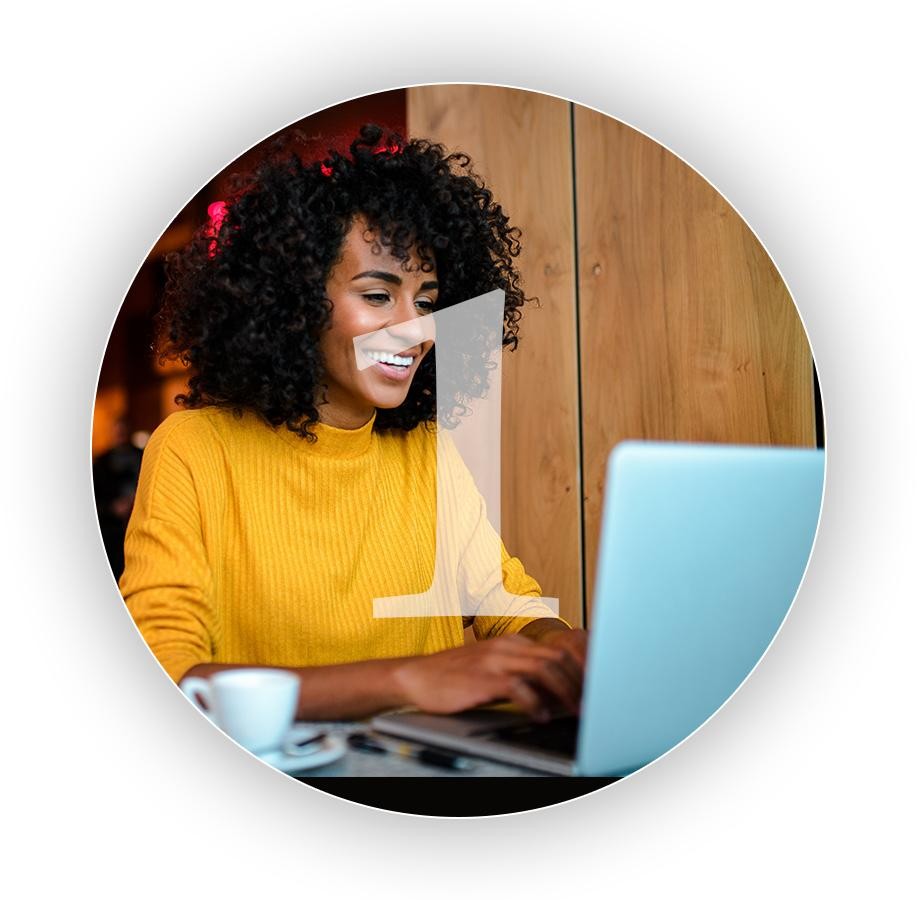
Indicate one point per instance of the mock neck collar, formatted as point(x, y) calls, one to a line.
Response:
point(332, 442)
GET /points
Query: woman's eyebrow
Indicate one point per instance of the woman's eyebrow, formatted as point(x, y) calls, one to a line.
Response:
point(392, 278)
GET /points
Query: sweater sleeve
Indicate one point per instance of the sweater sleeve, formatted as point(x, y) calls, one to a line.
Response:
point(167, 582)
point(521, 594)
point(489, 577)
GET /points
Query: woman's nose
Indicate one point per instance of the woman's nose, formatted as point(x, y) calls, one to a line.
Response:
point(412, 328)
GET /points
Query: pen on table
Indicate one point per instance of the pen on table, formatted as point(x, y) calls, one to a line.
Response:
point(443, 759)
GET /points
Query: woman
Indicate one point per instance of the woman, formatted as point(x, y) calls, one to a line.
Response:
point(297, 487)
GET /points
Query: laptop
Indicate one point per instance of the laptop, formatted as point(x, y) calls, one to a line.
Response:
point(702, 550)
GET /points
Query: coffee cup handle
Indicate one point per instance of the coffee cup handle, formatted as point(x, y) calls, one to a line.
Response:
point(197, 689)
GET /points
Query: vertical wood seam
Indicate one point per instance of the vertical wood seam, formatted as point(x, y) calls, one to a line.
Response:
point(581, 481)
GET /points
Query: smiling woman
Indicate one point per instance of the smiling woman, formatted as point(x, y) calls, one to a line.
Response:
point(296, 485)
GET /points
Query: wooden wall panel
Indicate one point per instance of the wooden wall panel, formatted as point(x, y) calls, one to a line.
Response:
point(520, 143)
point(687, 330)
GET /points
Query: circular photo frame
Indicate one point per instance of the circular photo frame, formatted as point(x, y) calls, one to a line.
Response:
point(458, 433)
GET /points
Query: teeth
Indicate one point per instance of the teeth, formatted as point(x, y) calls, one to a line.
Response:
point(389, 358)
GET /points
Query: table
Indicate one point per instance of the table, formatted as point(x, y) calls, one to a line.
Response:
point(359, 763)
point(393, 782)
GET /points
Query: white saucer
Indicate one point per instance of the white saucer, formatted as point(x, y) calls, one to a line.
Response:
point(330, 748)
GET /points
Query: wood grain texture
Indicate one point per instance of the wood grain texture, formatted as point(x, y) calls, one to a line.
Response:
point(687, 330)
point(520, 143)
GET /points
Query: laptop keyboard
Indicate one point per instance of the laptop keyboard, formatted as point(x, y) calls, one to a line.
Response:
point(556, 736)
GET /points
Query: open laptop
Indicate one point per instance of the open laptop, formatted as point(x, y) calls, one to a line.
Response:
point(702, 550)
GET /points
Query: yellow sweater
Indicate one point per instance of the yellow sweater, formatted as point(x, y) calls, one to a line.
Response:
point(249, 545)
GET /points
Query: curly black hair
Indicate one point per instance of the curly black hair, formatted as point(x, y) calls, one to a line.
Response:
point(245, 302)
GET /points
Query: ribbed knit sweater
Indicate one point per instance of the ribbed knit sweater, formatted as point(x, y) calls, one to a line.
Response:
point(251, 545)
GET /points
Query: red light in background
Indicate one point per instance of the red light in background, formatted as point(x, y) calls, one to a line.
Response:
point(217, 212)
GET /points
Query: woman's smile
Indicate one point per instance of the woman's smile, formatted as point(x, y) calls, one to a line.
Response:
point(397, 368)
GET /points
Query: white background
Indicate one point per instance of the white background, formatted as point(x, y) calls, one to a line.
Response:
point(801, 114)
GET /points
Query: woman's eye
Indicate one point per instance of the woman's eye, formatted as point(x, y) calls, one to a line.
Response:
point(424, 304)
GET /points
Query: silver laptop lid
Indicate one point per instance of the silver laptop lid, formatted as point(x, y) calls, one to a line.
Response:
point(702, 550)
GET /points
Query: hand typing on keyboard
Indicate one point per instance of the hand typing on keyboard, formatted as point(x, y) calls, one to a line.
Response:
point(537, 675)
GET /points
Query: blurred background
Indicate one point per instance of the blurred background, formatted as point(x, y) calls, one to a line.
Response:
point(661, 317)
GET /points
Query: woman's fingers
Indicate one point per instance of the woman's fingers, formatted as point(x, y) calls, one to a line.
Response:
point(567, 649)
point(558, 654)
point(571, 666)
point(571, 653)
point(551, 677)
point(546, 674)
point(526, 698)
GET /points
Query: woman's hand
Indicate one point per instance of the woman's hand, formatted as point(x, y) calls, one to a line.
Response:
point(537, 676)
point(573, 640)
point(541, 674)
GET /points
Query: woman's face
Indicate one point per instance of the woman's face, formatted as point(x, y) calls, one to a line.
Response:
point(370, 290)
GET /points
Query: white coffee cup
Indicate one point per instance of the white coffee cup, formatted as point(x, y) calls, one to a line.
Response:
point(255, 707)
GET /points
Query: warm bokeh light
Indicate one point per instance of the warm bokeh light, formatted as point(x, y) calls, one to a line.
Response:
point(110, 409)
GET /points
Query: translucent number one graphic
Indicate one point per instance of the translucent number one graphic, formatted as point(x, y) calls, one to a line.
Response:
point(468, 562)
